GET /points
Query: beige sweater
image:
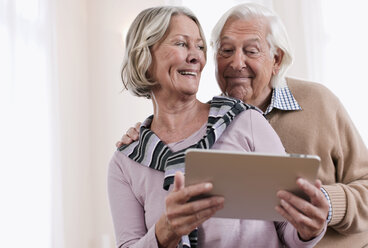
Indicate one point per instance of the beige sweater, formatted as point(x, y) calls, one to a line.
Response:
point(324, 128)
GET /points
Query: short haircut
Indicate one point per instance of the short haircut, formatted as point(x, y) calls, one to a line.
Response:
point(147, 29)
point(277, 37)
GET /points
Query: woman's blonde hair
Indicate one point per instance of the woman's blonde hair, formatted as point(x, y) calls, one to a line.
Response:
point(148, 28)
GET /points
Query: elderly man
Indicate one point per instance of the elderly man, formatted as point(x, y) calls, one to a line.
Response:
point(252, 56)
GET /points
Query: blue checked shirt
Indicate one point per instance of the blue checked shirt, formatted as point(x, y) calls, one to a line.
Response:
point(283, 99)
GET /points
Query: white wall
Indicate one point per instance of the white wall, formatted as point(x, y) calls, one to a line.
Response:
point(74, 95)
point(93, 111)
point(112, 112)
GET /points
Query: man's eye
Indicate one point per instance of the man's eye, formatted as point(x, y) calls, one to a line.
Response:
point(251, 52)
point(226, 51)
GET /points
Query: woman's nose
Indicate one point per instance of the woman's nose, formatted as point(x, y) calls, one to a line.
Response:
point(194, 55)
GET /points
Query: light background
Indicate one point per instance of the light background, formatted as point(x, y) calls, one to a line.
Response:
point(59, 125)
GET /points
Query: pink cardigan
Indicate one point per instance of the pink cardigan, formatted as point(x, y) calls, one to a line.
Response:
point(137, 198)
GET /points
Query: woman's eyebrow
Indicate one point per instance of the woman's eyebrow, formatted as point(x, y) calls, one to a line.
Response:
point(186, 37)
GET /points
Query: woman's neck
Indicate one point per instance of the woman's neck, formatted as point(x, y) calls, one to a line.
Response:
point(176, 120)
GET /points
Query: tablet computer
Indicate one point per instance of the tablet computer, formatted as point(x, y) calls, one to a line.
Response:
point(249, 181)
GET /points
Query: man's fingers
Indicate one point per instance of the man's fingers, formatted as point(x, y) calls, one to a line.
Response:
point(132, 133)
point(137, 126)
point(126, 140)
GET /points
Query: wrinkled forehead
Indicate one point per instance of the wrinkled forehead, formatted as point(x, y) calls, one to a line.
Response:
point(245, 25)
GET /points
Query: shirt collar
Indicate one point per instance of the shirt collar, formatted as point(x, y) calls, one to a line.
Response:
point(282, 99)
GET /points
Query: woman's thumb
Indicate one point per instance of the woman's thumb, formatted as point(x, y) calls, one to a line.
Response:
point(178, 181)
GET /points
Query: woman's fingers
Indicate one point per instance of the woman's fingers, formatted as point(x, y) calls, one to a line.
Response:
point(185, 194)
point(182, 225)
point(300, 204)
point(314, 192)
point(192, 208)
point(183, 215)
point(178, 181)
point(309, 218)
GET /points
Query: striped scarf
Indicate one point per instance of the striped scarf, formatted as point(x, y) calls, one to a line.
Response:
point(150, 151)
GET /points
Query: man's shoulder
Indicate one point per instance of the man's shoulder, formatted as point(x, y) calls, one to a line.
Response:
point(308, 90)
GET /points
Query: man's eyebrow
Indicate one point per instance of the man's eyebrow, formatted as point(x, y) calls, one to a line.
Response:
point(248, 40)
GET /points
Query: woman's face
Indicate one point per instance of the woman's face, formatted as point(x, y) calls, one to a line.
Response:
point(178, 59)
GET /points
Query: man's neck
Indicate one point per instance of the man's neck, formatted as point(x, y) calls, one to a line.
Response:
point(262, 101)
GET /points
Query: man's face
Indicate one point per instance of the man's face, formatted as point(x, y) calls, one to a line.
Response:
point(244, 63)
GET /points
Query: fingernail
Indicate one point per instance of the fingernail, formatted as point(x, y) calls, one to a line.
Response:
point(220, 206)
point(208, 185)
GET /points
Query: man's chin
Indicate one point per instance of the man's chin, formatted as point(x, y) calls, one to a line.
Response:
point(241, 95)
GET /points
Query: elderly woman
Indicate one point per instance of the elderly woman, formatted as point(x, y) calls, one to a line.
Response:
point(165, 55)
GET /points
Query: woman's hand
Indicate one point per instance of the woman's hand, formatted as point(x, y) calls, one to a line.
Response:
point(131, 135)
point(181, 217)
point(309, 218)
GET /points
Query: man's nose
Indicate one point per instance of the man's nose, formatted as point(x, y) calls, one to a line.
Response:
point(238, 62)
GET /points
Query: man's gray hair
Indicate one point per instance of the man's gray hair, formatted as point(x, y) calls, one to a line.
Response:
point(148, 28)
point(277, 37)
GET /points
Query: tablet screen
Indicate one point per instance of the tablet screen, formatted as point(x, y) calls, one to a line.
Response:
point(249, 181)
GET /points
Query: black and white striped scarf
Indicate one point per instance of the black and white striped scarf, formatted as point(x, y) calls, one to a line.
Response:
point(150, 151)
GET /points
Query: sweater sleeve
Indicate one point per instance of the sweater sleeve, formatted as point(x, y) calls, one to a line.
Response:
point(349, 194)
point(127, 211)
point(290, 238)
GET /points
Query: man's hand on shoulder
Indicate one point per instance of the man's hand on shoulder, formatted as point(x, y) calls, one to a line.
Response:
point(130, 136)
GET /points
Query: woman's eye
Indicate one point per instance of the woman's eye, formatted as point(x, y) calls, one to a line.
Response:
point(201, 48)
point(181, 44)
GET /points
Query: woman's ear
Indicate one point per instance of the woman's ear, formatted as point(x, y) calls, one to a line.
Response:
point(277, 61)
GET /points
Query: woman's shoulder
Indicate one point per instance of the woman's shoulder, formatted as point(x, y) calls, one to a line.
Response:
point(119, 160)
point(251, 116)
point(220, 105)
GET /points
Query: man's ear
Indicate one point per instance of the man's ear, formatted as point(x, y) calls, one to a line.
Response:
point(277, 61)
